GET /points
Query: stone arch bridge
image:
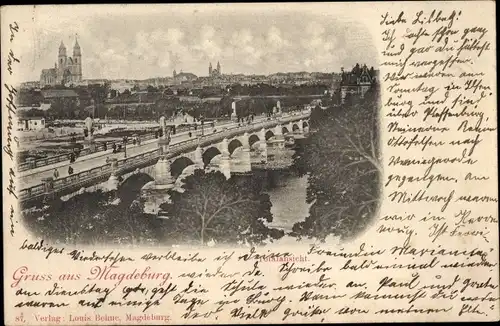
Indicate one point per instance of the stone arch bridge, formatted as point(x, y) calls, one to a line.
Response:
point(229, 151)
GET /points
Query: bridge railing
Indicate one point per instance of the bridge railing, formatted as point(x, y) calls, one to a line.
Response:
point(36, 163)
point(31, 192)
point(30, 164)
point(136, 160)
point(69, 181)
point(205, 140)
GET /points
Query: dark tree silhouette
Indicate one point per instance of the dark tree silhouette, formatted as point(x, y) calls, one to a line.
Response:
point(83, 225)
point(93, 220)
point(166, 106)
point(344, 163)
point(127, 224)
point(226, 211)
point(225, 104)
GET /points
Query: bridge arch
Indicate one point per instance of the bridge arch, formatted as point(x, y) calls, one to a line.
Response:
point(269, 134)
point(178, 166)
point(253, 139)
point(284, 130)
point(209, 154)
point(233, 145)
point(130, 188)
point(179, 181)
point(305, 124)
point(295, 127)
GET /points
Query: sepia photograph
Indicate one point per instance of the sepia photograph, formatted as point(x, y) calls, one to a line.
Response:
point(250, 163)
point(201, 128)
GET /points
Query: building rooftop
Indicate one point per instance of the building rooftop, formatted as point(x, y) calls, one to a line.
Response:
point(35, 114)
point(55, 93)
point(359, 75)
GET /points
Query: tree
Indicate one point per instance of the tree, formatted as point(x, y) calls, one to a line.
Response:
point(356, 70)
point(127, 223)
point(98, 94)
point(225, 105)
point(94, 221)
point(151, 89)
point(83, 226)
point(344, 162)
point(29, 97)
point(166, 106)
point(226, 211)
point(62, 108)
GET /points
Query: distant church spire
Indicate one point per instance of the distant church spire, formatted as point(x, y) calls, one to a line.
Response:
point(76, 48)
point(62, 49)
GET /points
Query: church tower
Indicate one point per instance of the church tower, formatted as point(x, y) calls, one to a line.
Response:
point(219, 72)
point(62, 55)
point(210, 69)
point(62, 59)
point(77, 61)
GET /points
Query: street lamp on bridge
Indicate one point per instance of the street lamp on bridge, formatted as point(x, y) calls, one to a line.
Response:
point(202, 119)
point(125, 145)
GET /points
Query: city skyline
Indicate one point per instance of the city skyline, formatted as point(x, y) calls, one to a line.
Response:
point(143, 45)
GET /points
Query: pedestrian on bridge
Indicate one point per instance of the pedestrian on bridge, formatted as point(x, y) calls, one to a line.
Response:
point(70, 170)
point(56, 174)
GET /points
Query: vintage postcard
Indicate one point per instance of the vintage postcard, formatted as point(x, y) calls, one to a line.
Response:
point(250, 163)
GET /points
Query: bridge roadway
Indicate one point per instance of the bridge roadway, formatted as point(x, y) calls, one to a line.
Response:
point(33, 177)
point(94, 169)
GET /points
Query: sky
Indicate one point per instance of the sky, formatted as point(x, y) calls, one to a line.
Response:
point(139, 42)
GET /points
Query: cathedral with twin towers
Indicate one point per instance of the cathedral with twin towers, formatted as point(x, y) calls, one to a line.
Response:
point(214, 72)
point(67, 70)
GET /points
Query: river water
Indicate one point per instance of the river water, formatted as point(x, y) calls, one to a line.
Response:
point(287, 191)
point(289, 201)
